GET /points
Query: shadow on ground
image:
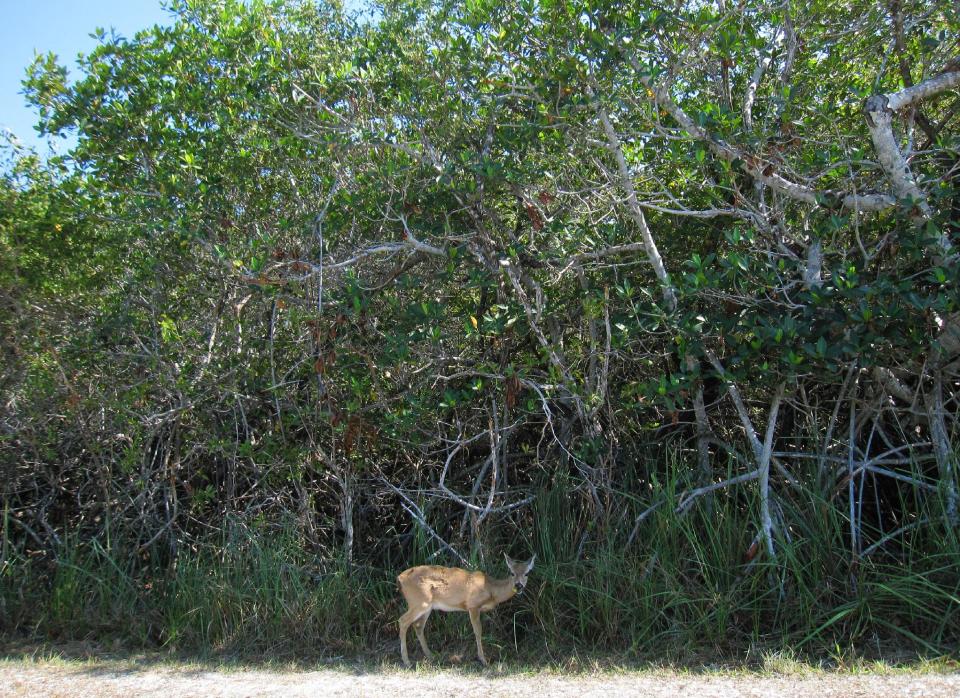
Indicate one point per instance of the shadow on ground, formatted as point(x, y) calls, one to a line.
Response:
point(92, 658)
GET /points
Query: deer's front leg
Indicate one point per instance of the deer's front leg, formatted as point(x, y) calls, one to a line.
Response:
point(475, 622)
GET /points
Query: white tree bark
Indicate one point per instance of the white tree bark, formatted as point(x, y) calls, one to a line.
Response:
point(703, 423)
point(758, 168)
point(762, 65)
point(762, 452)
point(879, 111)
point(943, 449)
point(765, 518)
point(814, 266)
point(626, 181)
point(917, 93)
point(880, 122)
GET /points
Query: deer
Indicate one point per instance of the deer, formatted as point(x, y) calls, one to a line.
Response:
point(430, 587)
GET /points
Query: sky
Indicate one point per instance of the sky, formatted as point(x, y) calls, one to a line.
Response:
point(28, 27)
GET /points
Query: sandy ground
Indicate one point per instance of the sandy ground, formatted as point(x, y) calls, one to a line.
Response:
point(23, 678)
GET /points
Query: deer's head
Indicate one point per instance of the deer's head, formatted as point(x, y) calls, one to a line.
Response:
point(519, 572)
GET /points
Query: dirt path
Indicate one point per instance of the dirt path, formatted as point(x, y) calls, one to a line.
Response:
point(33, 679)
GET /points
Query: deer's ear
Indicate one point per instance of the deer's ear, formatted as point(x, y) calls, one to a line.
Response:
point(530, 563)
point(510, 563)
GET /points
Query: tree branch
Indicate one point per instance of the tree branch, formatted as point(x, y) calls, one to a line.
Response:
point(762, 170)
point(626, 181)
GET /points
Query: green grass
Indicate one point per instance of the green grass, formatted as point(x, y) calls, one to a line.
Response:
point(686, 592)
point(780, 663)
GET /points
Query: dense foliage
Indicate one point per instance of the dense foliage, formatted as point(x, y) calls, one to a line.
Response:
point(667, 295)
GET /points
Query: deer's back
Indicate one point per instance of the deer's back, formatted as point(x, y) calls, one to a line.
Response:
point(444, 588)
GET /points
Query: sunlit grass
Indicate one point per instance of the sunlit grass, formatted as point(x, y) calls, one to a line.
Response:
point(684, 594)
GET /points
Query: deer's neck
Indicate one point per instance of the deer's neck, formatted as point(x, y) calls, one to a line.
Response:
point(502, 589)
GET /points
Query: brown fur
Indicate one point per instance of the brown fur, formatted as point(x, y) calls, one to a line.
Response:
point(429, 587)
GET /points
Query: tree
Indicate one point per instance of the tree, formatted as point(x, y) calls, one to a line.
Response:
point(408, 273)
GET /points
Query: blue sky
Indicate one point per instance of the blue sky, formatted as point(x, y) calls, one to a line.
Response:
point(64, 27)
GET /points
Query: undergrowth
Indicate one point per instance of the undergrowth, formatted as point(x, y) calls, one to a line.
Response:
point(690, 584)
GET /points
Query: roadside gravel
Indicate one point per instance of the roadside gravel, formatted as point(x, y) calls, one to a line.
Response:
point(26, 678)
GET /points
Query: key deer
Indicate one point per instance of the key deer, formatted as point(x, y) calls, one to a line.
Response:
point(429, 587)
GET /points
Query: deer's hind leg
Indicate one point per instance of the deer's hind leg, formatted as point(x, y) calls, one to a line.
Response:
point(419, 625)
point(406, 620)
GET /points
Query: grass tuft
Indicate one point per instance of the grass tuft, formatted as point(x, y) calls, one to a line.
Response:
point(686, 591)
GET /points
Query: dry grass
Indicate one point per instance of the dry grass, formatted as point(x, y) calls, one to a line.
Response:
point(74, 670)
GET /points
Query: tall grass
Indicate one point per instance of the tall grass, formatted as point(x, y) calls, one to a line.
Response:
point(689, 583)
point(247, 591)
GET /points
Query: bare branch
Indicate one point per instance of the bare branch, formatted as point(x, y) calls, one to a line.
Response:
point(687, 498)
point(758, 168)
point(870, 549)
point(626, 181)
point(754, 83)
point(751, 433)
point(895, 101)
point(416, 514)
point(879, 119)
point(879, 111)
point(764, 467)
